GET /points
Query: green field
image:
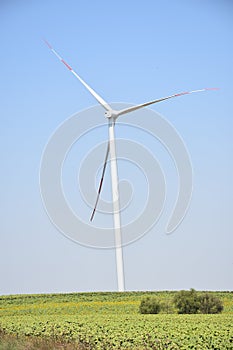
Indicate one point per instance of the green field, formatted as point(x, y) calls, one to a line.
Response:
point(111, 321)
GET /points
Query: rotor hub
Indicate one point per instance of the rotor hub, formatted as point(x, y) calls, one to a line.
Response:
point(111, 114)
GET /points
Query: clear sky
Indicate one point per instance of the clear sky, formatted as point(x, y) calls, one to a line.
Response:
point(129, 52)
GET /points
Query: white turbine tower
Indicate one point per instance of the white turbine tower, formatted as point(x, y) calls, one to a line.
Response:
point(112, 115)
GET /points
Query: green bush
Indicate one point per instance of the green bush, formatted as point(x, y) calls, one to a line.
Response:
point(209, 304)
point(150, 305)
point(187, 302)
point(190, 302)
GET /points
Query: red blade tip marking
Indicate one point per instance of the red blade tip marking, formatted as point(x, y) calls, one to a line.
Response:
point(212, 88)
point(47, 43)
point(182, 93)
point(66, 64)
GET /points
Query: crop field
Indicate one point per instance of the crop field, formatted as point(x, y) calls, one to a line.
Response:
point(112, 321)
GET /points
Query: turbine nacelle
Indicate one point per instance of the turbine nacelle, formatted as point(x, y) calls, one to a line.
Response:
point(111, 114)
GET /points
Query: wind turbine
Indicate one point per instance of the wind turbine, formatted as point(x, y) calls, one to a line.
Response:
point(112, 116)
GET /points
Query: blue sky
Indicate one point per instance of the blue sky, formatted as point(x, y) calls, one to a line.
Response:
point(128, 52)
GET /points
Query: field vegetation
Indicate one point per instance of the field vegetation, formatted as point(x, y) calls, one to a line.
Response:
point(109, 321)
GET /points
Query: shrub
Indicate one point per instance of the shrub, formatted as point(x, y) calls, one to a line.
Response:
point(210, 304)
point(150, 305)
point(189, 302)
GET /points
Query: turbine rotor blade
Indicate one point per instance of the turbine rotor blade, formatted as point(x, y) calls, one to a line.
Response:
point(101, 182)
point(94, 94)
point(134, 108)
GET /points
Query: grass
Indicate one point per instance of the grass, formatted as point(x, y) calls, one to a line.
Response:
point(12, 342)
